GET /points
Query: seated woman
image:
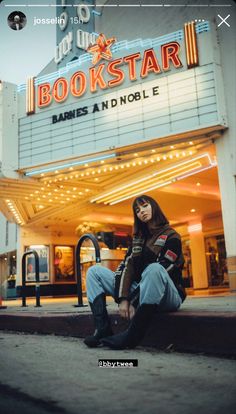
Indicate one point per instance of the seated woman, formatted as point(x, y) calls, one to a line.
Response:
point(148, 279)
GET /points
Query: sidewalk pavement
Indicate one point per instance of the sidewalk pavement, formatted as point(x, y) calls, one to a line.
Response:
point(205, 324)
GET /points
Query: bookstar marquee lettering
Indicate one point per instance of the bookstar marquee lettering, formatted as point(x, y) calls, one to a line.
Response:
point(109, 75)
point(79, 82)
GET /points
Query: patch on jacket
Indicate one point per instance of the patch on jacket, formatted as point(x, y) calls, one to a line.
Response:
point(171, 256)
point(160, 241)
point(136, 249)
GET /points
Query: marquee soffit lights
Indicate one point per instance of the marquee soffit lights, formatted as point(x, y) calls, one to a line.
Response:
point(98, 166)
point(15, 212)
point(68, 165)
point(157, 179)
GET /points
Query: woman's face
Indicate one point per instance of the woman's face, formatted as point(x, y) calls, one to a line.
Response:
point(144, 211)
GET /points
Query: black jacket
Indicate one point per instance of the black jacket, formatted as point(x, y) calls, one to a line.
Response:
point(162, 247)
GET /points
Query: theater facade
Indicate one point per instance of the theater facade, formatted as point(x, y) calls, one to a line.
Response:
point(113, 116)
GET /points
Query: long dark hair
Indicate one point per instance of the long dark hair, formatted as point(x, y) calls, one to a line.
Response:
point(158, 217)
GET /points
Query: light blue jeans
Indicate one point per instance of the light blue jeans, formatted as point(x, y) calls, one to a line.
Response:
point(156, 287)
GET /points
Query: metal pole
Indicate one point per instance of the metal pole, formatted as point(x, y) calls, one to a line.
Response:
point(78, 267)
point(37, 285)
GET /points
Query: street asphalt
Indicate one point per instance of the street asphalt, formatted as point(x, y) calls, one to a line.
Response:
point(53, 374)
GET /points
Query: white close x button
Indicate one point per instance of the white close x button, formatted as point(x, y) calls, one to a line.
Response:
point(223, 20)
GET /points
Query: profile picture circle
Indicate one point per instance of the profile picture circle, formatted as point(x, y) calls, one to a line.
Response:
point(17, 20)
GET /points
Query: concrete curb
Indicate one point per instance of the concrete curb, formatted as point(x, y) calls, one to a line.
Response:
point(205, 332)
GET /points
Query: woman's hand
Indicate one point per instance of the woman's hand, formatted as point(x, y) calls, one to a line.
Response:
point(126, 310)
point(131, 311)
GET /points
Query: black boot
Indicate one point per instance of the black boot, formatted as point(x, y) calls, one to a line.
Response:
point(101, 321)
point(136, 331)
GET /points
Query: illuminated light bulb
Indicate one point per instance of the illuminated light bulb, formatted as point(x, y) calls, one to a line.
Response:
point(60, 179)
point(62, 195)
point(172, 146)
point(170, 156)
point(190, 152)
point(50, 181)
point(68, 191)
point(42, 175)
point(71, 168)
point(86, 165)
point(153, 150)
point(44, 196)
point(55, 180)
point(198, 184)
point(104, 170)
point(87, 190)
point(87, 173)
point(38, 199)
point(68, 199)
point(164, 157)
point(93, 172)
point(145, 161)
point(96, 179)
point(111, 168)
point(42, 188)
point(140, 163)
point(31, 195)
point(77, 175)
point(133, 163)
point(7, 201)
point(74, 196)
point(122, 166)
point(56, 190)
point(80, 193)
point(82, 175)
point(61, 186)
point(152, 160)
point(62, 202)
point(136, 154)
point(27, 198)
point(40, 206)
point(74, 188)
point(71, 176)
point(49, 194)
point(128, 165)
point(158, 159)
point(99, 171)
point(66, 178)
point(190, 143)
point(36, 192)
point(56, 198)
point(183, 153)
point(177, 155)
point(116, 167)
point(192, 210)
point(56, 172)
point(102, 162)
point(50, 200)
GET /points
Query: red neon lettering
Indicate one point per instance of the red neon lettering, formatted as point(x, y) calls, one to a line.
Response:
point(78, 84)
point(44, 97)
point(169, 52)
point(150, 63)
point(96, 78)
point(60, 90)
point(131, 60)
point(112, 70)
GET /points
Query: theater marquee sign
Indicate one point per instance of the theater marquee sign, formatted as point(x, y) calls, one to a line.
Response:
point(122, 94)
point(109, 75)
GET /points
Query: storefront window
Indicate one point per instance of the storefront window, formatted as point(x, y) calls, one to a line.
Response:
point(216, 260)
point(64, 263)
